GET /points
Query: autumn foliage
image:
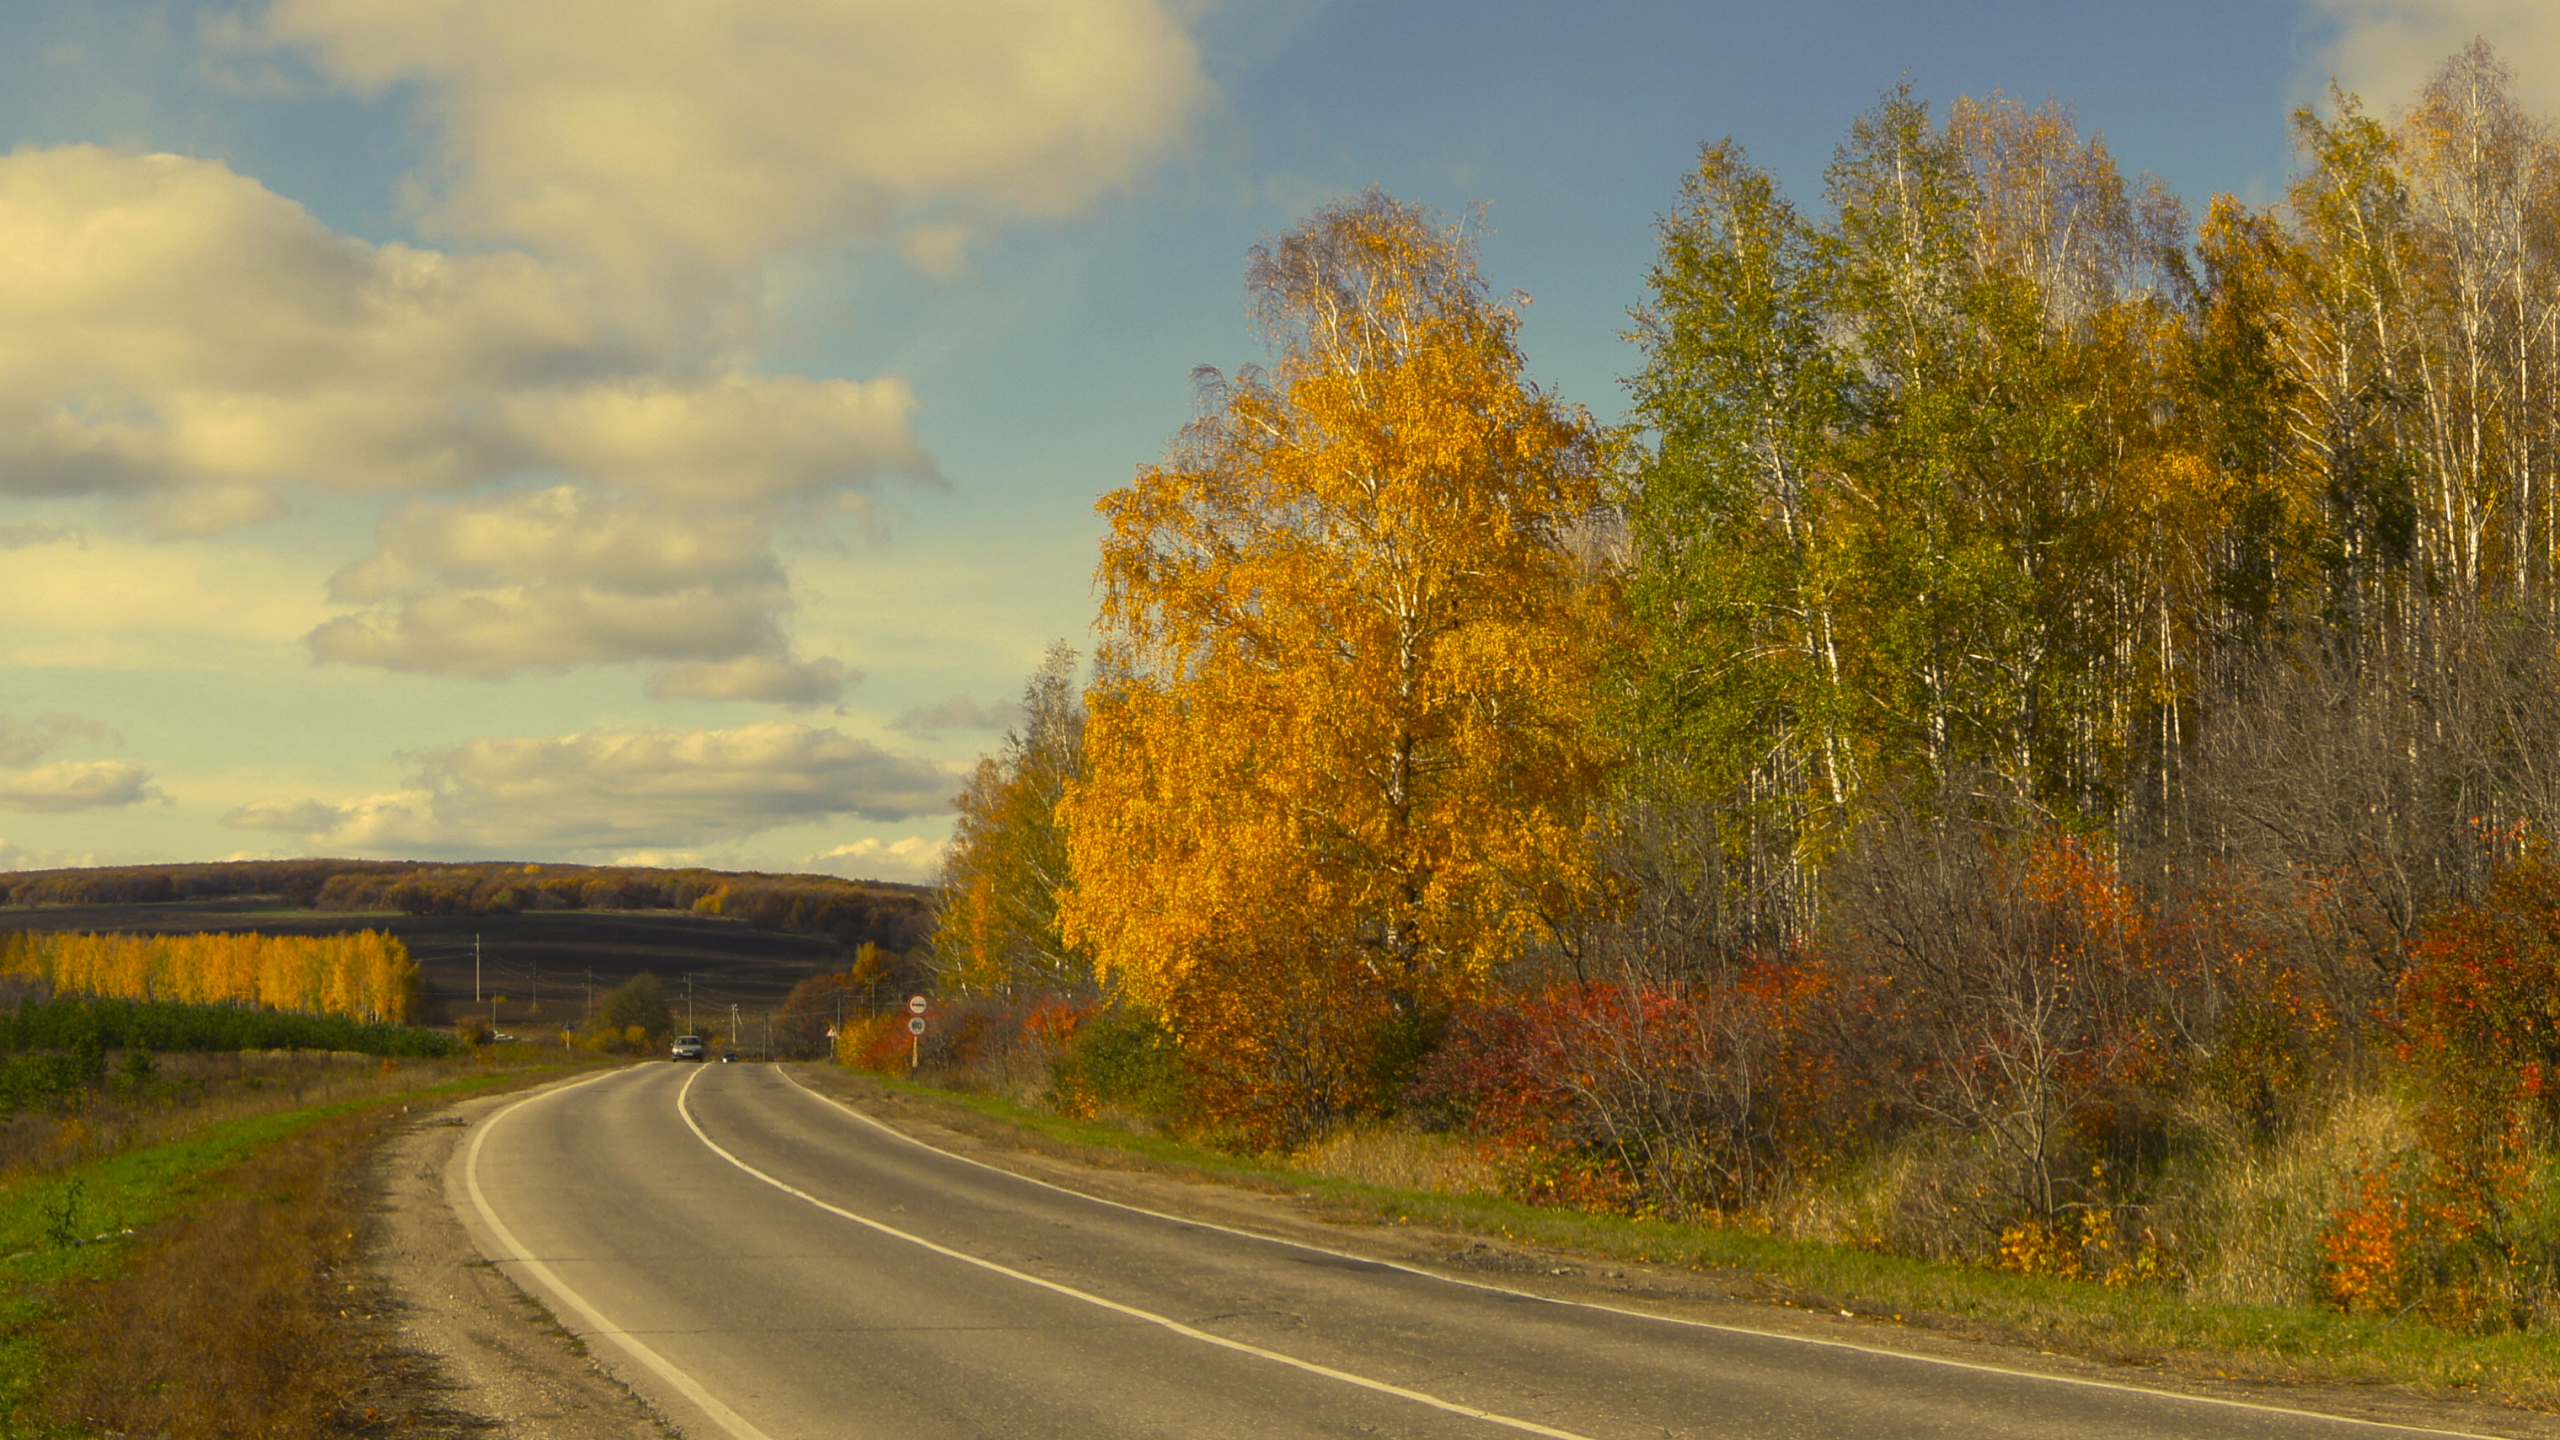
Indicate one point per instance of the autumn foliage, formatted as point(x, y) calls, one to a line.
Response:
point(1341, 750)
point(2033, 747)
point(367, 975)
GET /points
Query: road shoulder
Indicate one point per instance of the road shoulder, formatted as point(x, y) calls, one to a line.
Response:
point(507, 1360)
point(1696, 1296)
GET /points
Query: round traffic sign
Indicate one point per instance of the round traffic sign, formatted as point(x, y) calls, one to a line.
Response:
point(915, 1004)
point(916, 1026)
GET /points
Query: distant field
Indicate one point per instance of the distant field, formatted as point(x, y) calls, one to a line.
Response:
point(730, 963)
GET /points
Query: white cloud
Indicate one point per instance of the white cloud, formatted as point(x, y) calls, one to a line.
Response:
point(615, 790)
point(65, 784)
point(563, 535)
point(23, 742)
point(566, 576)
point(916, 859)
point(76, 785)
point(734, 441)
point(779, 681)
point(665, 142)
point(14, 856)
point(180, 333)
point(958, 713)
point(594, 472)
point(309, 817)
point(2384, 50)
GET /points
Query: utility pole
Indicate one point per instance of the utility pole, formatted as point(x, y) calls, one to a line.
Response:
point(537, 987)
point(735, 1039)
point(591, 995)
point(688, 1004)
point(475, 969)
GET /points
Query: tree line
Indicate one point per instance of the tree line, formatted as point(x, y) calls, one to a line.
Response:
point(2034, 744)
point(366, 976)
point(852, 912)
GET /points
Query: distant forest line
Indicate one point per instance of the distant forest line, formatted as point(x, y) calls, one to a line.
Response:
point(850, 912)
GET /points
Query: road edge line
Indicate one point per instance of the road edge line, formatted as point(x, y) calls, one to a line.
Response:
point(1710, 1325)
point(721, 1415)
point(1167, 1322)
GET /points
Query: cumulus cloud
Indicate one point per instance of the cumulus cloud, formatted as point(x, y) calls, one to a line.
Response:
point(592, 471)
point(2384, 50)
point(780, 681)
point(65, 784)
point(23, 742)
point(14, 856)
point(565, 576)
point(613, 790)
point(76, 785)
point(182, 334)
point(734, 441)
point(914, 858)
point(665, 141)
point(957, 713)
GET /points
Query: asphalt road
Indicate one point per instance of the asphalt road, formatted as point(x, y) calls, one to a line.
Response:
point(764, 1264)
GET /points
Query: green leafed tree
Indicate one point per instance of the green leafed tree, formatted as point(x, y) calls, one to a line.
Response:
point(1910, 507)
point(1001, 880)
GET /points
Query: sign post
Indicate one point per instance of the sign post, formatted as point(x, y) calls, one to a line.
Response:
point(915, 1031)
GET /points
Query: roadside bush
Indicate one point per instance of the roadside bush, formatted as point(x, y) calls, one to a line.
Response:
point(38, 1081)
point(1120, 1060)
point(637, 1004)
point(877, 1043)
point(1696, 1099)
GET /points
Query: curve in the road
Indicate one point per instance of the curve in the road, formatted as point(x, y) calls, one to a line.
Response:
point(620, 1218)
point(2259, 1407)
point(730, 1420)
point(1168, 1322)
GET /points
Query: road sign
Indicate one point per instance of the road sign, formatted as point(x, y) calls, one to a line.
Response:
point(916, 1026)
point(915, 1004)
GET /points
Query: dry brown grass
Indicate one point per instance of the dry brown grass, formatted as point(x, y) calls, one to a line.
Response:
point(2265, 1210)
point(1400, 1158)
point(251, 1317)
point(251, 1314)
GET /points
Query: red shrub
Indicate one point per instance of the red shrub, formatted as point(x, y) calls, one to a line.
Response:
point(1650, 1096)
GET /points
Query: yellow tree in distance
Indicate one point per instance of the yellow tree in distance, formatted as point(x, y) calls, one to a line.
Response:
point(1341, 739)
point(364, 976)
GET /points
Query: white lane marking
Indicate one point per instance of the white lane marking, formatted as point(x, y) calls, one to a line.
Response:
point(720, 1415)
point(1710, 1325)
point(1177, 1327)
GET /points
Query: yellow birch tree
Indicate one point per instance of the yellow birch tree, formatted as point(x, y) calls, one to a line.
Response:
point(1341, 739)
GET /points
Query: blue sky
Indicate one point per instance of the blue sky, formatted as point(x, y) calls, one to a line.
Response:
point(669, 432)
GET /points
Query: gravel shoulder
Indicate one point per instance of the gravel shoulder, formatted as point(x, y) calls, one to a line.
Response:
point(503, 1359)
point(511, 1364)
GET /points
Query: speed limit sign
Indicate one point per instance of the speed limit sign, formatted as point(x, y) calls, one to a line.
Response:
point(916, 1026)
point(915, 1004)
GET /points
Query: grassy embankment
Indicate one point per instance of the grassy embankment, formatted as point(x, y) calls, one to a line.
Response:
point(185, 1262)
point(2131, 1325)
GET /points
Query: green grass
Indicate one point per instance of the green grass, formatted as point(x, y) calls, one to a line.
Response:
point(131, 1190)
point(2133, 1325)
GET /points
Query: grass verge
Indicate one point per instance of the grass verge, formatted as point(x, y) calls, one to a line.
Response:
point(2130, 1325)
point(210, 1285)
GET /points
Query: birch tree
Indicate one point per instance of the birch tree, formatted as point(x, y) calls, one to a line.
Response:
point(1342, 739)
